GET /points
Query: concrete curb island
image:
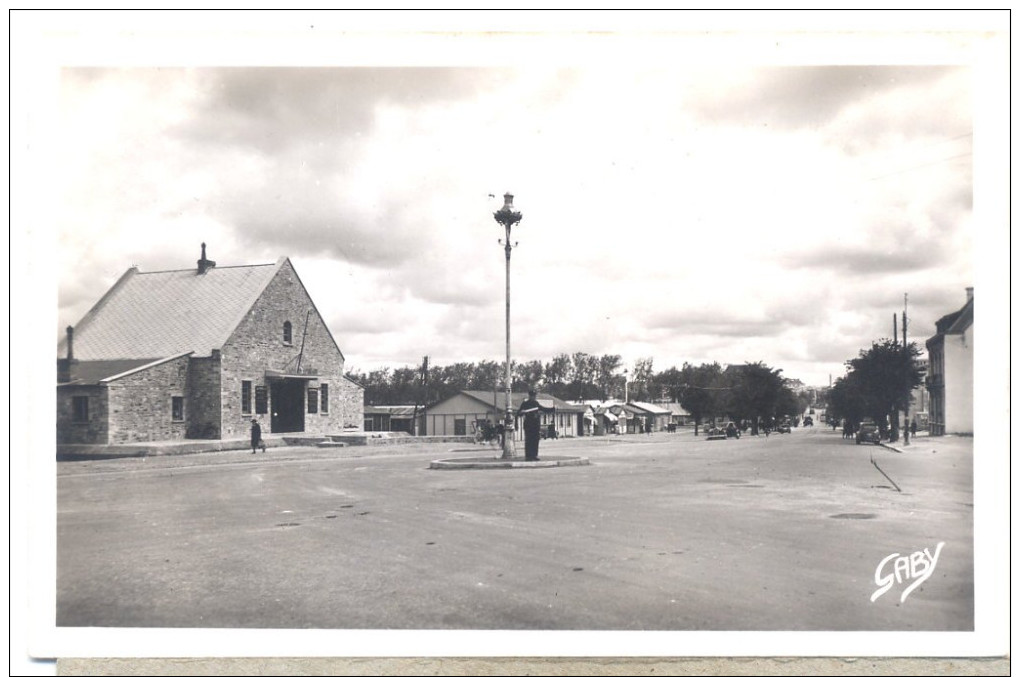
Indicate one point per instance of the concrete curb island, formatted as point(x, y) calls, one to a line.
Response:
point(476, 463)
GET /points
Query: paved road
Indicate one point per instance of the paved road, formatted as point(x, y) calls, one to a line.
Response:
point(660, 532)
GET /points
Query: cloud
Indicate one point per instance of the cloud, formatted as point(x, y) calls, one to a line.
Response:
point(775, 214)
point(271, 109)
point(798, 97)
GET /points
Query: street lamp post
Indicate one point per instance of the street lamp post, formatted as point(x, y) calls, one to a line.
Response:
point(507, 218)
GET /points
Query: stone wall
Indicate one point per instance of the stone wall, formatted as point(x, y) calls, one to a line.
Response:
point(203, 398)
point(95, 430)
point(140, 404)
point(258, 344)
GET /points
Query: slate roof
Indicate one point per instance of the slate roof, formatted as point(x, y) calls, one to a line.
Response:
point(146, 316)
point(954, 323)
point(91, 373)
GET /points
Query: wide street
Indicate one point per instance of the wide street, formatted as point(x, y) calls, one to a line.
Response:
point(659, 532)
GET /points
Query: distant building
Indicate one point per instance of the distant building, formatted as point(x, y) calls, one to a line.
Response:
point(459, 413)
point(653, 417)
point(196, 354)
point(391, 418)
point(951, 372)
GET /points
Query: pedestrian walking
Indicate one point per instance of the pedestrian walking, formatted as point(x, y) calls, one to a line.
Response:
point(256, 436)
point(531, 411)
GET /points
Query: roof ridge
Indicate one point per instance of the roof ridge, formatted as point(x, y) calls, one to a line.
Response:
point(213, 269)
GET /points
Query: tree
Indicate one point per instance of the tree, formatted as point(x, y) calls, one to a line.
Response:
point(641, 379)
point(884, 377)
point(671, 383)
point(756, 393)
point(846, 400)
point(585, 371)
point(701, 388)
point(488, 375)
point(527, 375)
point(604, 381)
point(558, 375)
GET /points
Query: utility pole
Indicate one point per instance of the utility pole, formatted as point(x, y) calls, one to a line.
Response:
point(906, 350)
point(424, 397)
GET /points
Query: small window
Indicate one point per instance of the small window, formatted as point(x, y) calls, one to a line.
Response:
point(313, 401)
point(287, 333)
point(81, 409)
point(460, 426)
point(261, 400)
point(324, 398)
point(245, 397)
point(177, 408)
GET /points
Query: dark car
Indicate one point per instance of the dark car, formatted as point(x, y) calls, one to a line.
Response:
point(732, 430)
point(715, 433)
point(808, 421)
point(868, 433)
point(783, 428)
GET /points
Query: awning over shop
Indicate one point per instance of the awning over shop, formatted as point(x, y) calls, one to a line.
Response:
point(274, 375)
point(610, 417)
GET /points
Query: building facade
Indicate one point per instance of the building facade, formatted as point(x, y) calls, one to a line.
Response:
point(460, 413)
point(951, 372)
point(198, 353)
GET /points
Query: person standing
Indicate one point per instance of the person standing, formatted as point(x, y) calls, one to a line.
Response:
point(256, 436)
point(531, 411)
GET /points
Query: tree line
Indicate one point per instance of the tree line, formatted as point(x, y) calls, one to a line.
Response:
point(750, 392)
point(878, 384)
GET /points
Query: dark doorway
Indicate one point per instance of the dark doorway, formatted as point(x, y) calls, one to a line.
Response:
point(287, 398)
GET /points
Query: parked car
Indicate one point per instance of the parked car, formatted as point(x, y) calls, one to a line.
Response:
point(808, 421)
point(732, 430)
point(783, 427)
point(549, 433)
point(868, 432)
point(715, 433)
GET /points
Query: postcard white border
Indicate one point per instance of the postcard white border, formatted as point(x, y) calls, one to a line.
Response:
point(42, 43)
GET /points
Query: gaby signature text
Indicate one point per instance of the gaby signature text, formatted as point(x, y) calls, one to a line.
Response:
point(917, 567)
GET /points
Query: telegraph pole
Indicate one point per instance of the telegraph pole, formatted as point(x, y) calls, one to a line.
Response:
point(906, 350)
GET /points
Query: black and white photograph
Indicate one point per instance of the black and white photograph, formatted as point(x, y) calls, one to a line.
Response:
point(532, 339)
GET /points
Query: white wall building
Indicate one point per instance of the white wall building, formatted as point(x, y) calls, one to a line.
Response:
point(951, 372)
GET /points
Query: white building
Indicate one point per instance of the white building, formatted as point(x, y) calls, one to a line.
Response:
point(951, 372)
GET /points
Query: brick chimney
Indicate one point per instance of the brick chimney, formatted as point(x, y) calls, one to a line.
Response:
point(970, 294)
point(204, 264)
point(64, 364)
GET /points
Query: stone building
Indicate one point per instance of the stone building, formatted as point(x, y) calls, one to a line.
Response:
point(197, 353)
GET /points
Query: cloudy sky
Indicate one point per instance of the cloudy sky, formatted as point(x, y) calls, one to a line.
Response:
point(689, 211)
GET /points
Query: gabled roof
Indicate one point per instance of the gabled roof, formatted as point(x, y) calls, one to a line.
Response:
point(955, 323)
point(676, 408)
point(650, 408)
point(516, 399)
point(964, 319)
point(153, 315)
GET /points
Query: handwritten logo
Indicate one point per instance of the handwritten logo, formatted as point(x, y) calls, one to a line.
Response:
point(894, 569)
